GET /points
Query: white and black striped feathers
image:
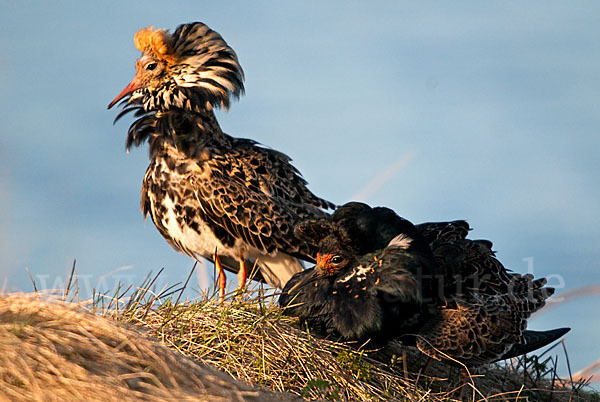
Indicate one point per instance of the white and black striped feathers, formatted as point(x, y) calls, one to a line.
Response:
point(380, 277)
point(191, 69)
point(206, 190)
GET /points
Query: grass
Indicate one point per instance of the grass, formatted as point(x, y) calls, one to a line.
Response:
point(252, 341)
point(245, 337)
point(248, 337)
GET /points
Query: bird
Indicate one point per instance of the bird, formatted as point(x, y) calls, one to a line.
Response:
point(378, 277)
point(209, 194)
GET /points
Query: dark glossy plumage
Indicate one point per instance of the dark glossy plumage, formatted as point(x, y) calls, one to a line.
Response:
point(206, 190)
point(427, 285)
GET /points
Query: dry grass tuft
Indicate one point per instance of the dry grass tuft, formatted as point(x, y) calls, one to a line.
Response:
point(52, 351)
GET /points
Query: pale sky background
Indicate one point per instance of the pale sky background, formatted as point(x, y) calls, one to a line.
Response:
point(482, 111)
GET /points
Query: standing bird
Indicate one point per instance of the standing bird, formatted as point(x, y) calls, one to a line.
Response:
point(379, 277)
point(204, 189)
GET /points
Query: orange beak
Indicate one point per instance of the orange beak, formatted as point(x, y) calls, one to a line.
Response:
point(133, 85)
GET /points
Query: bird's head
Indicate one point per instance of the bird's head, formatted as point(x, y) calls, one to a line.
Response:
point(192, 69)
point(335, 249)
point(333, 257)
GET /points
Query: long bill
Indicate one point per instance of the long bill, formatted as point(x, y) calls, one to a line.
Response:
point(133, 85)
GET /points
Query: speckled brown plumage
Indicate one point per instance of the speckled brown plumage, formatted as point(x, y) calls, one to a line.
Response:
point(428, 286)
point(204, 189)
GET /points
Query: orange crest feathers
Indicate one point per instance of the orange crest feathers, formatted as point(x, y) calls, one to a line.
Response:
point(155, 41)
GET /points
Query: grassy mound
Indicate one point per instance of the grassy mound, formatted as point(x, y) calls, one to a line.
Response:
point(249, 338)
point(52, 350)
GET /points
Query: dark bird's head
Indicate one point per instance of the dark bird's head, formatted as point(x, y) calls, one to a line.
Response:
point(191, 69)
point(336, 248)
point(356, 229)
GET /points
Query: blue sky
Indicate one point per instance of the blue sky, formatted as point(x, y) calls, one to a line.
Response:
point(481, 111)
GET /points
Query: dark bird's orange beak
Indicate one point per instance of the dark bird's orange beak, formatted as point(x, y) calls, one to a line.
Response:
point(133, 85)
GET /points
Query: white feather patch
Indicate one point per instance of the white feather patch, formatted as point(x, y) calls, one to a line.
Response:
point(360, 273)
point(402, 241)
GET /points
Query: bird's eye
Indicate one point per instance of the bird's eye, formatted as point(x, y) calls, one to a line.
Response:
point(336, 259)
point(151, 66)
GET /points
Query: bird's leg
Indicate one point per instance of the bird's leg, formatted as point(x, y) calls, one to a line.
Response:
point(221, 280)
point(242, 274)
point(463, 383)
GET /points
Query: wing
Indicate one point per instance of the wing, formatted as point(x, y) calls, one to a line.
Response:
point(482, 329)
point(485, 307)
point(444, 231)
point(470, 266)
point(254, 194)
point(473, 333)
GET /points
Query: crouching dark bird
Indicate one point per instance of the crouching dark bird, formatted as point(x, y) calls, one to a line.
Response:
point(204, 189)
point(379, 277)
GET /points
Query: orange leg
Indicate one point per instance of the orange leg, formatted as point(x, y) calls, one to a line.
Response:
point(242, 274)
point(463, 384)
point(221, 280)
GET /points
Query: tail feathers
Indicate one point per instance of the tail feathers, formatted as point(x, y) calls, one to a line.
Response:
point(534, 340)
